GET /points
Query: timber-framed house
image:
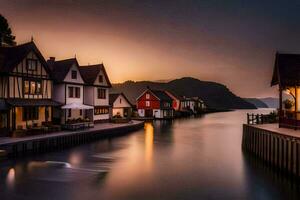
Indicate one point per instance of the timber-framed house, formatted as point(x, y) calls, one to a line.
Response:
point(25, 88)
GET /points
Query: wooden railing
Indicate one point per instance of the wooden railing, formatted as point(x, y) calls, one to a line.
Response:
point(261, 118)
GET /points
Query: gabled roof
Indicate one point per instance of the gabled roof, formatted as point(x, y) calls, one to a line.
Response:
point(10, 57)
point(286, 70)
point(90, 73)
point(61, 68)
point(175, 96)
point(159, 94)
point(114, 96)
point(162, 95)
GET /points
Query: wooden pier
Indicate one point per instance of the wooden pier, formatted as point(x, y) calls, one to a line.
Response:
point(14, 147)
point(278, 147)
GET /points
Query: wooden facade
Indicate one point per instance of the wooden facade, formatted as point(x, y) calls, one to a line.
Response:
point(26, 87)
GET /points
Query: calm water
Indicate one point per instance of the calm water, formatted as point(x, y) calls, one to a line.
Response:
point(196, 158)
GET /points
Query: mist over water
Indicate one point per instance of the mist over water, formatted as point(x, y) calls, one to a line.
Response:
point(196, 158)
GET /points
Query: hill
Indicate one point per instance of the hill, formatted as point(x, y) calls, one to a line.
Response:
point(271, 102)
point(257, 102)
point(215, 95)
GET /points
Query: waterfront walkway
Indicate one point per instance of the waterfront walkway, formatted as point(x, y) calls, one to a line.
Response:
point(274, 128)
point(63, 138)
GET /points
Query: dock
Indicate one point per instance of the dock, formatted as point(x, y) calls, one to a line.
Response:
point(14, 147)
point(278, 147)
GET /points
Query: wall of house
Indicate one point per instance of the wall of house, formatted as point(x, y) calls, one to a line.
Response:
point(88, 95)
point(121, 102)
point(19, 117)
point(104, 83)
point(69, 79)
point(73, 99)
point(154, 102)
point(101, 102)
point(101, 117)
point(16, 82)
point(59, 93)
point(3, 87)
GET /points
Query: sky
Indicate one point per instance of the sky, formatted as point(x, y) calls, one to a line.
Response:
point(231, 42)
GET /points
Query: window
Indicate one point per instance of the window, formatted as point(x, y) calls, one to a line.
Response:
point(26, 87)
point(77, 92)
point(71, 93)
point(80, 112)
point(32, 87)
point(69, 113)
point(74, 74)
point(30, 113)
point(100, 79)
point(101, 93)
point(101, 110)
point(147, 96)
point(120, 100)
point(148, 103)
point(31, 64)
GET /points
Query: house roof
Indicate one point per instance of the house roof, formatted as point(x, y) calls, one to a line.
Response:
point(175, 96)
point(10, 57)
point(162, 95)
point(286, 70)
point(90, 73)
point(114, 96)
point(61, 68)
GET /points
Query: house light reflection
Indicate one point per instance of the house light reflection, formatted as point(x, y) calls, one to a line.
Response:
point(149, 139)
point(10, 178)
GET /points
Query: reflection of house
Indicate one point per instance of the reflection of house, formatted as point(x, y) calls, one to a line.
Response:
point(96, 91)
point(155, 103)
point(25, 88)
point(68, 90)
point(120, 105)
point(287, 75)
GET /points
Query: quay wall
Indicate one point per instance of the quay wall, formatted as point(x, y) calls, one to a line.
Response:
point(277, 150)
point(51, 142)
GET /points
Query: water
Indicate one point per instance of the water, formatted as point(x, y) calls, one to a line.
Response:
point(197, 158)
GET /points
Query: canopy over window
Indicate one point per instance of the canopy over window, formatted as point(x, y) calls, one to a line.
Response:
point(77, 106)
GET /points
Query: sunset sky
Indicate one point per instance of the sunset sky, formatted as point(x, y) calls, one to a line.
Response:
point(233, 43)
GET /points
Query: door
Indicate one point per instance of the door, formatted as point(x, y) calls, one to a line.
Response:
point(148, 113)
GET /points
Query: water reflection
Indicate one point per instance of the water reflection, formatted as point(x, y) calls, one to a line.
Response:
point(10, 178)
point(149, 140)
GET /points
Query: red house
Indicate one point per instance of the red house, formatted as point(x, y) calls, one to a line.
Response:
point(155, 103)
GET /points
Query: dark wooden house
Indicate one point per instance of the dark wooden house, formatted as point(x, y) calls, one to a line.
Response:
point(25, 88)
point(286, 74)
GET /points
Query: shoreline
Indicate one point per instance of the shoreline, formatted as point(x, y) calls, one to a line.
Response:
point(15, 147)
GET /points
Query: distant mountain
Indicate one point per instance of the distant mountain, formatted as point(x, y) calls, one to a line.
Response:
point(215, 95)
point(271, 102)
point(257, 102)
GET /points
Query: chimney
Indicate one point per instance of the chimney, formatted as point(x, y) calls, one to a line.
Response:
point(50, 62)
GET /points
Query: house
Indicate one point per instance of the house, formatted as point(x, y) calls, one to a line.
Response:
point(68, 90)
point(96, 91)
point(187, 105)
point(199, 105)
point(25, 88)
point(120, 105)
point(155, 103)
point(176, 104)
point(286, 75)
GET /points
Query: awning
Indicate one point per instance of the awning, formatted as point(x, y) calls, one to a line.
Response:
point(3, 105)
point(32, 102)
point(77, 106)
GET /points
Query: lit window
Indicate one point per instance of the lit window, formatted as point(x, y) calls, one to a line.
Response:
point(38, 87)
point(148, 103)
point(32, 87)
point(26, 87)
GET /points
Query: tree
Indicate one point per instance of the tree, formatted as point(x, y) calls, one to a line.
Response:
point(6, 37)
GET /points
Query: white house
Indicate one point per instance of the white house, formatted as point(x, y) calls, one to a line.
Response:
point(96, 91)
point(120, 105)
point(68, 90)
